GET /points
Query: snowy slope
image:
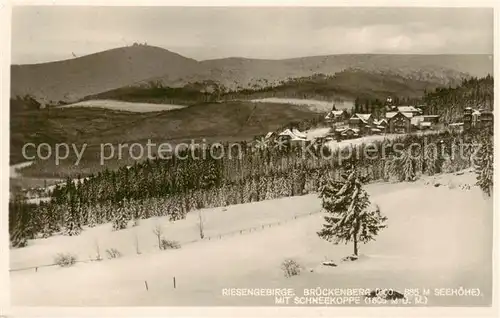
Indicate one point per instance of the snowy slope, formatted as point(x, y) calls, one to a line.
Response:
point(125, 106)
point(437, 237)
point(312, 104)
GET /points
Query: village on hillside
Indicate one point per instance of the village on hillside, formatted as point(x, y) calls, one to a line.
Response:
point(347, 124)
point(341, 124)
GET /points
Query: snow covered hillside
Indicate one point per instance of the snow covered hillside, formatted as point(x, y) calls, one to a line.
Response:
point(125, 106)
point(439, 235)
point(314, 105)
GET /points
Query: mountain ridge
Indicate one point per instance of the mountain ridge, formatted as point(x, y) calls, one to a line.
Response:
point(72, 79)
point(257, 58)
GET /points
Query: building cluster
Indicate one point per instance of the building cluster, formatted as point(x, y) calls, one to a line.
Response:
point(292, 135)
point(396, 120)
point(477, 118)
point(399, 120)
point(286, 136)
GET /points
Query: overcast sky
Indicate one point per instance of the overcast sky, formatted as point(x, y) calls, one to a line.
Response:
point(41, 34)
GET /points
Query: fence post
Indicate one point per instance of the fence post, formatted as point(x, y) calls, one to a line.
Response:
point(146, 283)
point(174, 281)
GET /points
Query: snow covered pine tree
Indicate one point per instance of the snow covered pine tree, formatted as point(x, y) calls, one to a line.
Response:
point(350, 217)
point(483, 163)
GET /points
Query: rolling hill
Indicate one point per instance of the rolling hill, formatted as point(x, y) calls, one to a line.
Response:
point(71, 80)
point(346, 85)
point(442, 69)
point(214, 122)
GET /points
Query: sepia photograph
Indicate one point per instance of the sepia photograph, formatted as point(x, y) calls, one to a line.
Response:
point(270, 156)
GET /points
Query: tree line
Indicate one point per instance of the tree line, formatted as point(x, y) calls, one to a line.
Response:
point(173, 187)
point(346, 84)
point(447, 102)
point(450, 102)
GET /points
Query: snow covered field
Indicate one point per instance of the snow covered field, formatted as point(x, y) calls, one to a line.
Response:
point(362, 140)
point(14, 169)
point(317, 133)
point(437, 237)
point(315, 105)
point(322, 132)
point(125, 106)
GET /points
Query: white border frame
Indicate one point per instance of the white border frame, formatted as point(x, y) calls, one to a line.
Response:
point(5, 308)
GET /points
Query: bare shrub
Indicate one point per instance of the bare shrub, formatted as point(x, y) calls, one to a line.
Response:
point(168, 244)
point(350, 258)
point(113, 253)
point(291, 268)
point(65, 259)
point(136, 241)
point(98, 251)
point(200, 225)
point(158, 231)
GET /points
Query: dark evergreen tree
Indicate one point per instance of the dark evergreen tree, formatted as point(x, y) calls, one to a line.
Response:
point(484, 163)
point(20, 222)
point(47, 217)
point(357, 105)
point(72, 221)
point(120, 218)
point(405, 164)
point(350, 219)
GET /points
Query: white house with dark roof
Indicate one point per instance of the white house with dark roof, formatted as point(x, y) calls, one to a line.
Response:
point(409, 109)
point(389, 115)
point(288, 134)
point(380, 122)
point(337, 115)
point(357, 119)
point(349, 133)
point(298, 133)
point(381, 125)
point(363, 122)
point(399, 122)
